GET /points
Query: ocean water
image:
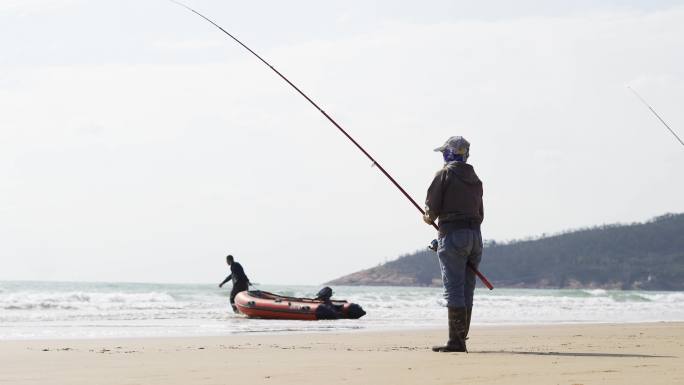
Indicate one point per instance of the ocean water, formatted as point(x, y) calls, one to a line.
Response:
point(46, 310)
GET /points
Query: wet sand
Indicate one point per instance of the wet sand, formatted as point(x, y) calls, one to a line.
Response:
point(562, 354)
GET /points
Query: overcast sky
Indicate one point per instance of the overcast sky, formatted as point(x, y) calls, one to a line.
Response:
point(138, 143)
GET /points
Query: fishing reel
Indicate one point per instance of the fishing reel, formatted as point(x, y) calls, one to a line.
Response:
point(433, 245)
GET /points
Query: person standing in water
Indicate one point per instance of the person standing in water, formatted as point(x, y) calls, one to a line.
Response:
point(455, 199)
point(240, 280)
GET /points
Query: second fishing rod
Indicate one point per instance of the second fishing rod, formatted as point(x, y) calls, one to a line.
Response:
point(375, 163)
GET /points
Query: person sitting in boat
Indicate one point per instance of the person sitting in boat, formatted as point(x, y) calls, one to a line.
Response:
point(240, 280)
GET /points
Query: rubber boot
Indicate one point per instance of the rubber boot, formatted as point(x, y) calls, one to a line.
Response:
point(457, 323)
point(469, 314)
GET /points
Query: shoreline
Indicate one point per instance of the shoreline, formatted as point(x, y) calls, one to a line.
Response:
point(351, 330)
point(364, 330)
point(525, 354)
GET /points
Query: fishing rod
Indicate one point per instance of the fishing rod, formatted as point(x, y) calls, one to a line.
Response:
point(374, 162)
point(656, 114)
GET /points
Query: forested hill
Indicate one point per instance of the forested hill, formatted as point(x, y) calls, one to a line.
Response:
point(647, 256)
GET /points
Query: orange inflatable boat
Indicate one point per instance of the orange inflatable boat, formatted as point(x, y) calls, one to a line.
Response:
point(262, 304)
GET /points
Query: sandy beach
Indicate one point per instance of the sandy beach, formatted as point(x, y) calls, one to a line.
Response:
point(564, 354)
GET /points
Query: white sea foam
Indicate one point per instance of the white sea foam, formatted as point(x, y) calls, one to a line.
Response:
point(84, 310)
point(596, 292)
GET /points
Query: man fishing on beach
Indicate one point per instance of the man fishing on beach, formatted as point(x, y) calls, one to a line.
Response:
point(240, 280)
point(455, 199)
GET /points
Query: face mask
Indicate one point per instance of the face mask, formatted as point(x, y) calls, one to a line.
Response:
point(450, 156)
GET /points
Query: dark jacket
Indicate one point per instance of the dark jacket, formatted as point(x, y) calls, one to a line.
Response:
point(237, 274)
point(455, 196)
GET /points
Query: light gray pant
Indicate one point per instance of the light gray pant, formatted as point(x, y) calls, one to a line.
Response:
point(456, 249)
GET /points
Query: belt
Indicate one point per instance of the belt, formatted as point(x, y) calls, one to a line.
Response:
point(473, 224)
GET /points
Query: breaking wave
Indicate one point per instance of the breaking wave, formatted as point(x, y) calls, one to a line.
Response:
point(79, 310)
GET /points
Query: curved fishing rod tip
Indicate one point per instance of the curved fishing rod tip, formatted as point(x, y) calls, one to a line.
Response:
point(182, 5)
